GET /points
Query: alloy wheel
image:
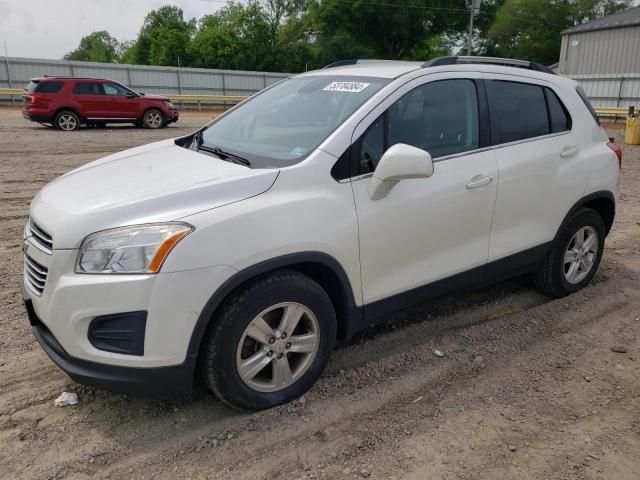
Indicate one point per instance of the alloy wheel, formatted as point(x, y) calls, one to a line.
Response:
point(67, 122)
point(580, 254)
point(153, 119)
point(277, 347)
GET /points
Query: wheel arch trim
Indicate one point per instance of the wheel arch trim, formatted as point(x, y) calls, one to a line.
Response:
point(292, 260)
point(599, 195)
point(148, 108)
point(69, 109)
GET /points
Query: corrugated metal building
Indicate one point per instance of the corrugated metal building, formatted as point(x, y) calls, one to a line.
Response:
point(604, 56)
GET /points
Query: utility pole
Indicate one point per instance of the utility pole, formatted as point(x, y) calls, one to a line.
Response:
point(475, 9)
point(6, 59)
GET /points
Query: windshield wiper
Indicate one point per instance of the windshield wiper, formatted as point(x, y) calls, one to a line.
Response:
point(223, 154)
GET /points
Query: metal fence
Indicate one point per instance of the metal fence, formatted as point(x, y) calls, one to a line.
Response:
point(16, 72)
point(612, 90)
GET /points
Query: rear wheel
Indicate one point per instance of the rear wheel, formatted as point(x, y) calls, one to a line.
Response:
point(270, 342)
point(153, 119)
point(575, 254)
point(67, 121)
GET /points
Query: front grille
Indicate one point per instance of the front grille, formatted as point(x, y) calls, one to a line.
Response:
point(40, 237)
point(35, 274)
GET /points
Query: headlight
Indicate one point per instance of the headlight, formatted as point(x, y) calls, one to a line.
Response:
point(138, 249)
point(169, 104)
point(27, 229)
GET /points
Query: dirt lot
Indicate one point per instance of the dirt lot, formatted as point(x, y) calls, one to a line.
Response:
point(529, 386)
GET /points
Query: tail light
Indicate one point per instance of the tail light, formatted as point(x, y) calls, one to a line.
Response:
point(32, 98)
point(617, 150)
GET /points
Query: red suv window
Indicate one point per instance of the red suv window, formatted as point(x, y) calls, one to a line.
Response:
point(44, 87)
point(87, 88)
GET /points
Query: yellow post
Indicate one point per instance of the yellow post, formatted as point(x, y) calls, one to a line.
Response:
point(632, 132)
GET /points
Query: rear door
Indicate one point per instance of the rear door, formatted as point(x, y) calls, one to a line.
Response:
point(542, 170)
point(120, 106)
point(93, 104)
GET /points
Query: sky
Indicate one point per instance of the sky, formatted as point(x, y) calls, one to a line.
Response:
point(51, 28)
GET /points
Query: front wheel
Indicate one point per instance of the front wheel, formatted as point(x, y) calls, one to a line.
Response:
point(575, 254)
point(153, 119)
point(270, 342)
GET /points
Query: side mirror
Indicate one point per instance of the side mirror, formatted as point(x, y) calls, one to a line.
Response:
point(130, 95)
point(399, 162)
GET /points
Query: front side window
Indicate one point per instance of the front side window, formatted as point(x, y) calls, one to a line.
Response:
point(288, 121)
point(519, 110)
point(440, 117)
point(115, 89)
point(87, 88)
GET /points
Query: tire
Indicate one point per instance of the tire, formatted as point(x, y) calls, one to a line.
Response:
point(67, 121)
point(153, 118)
point(227, 345)
point(559, 278)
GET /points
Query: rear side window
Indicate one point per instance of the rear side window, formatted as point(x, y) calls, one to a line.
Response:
point(587, 102)
point(558, 116)
point(519, 110)
point(87, 88)
point(48, 87)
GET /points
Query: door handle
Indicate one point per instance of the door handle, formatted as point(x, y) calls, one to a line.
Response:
point(568, 151)
point(479, 181)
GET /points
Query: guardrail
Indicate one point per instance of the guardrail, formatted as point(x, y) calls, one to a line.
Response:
point(11, 91)
point(614, 112)
point(197, 99)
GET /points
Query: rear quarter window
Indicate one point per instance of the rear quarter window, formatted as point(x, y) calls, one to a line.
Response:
point(48, 87)
point(587, 102)
point(558, 115)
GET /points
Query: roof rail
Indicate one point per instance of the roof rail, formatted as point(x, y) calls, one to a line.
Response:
point(509, 62)
point(341, 63)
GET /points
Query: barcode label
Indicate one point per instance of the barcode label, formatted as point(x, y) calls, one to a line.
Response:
point(353, 87)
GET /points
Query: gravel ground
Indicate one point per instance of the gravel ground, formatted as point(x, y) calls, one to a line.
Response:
point(529, 387)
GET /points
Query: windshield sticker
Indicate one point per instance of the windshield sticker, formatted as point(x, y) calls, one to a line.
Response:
point(352, 87)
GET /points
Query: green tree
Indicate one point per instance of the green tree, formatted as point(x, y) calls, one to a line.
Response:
point(163, 39)
point(237, 36)
point(96, 47)
point(401, 29)
point(530, 29)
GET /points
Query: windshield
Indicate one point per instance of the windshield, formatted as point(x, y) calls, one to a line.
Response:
point(288, 121)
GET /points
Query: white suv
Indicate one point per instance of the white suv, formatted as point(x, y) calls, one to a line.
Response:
point(310, 211)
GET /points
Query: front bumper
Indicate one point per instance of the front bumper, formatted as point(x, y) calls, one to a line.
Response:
point(62, 311)
point(172, 116)
point(163, 383)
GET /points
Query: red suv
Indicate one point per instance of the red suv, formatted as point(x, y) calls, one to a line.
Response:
point(68, 102)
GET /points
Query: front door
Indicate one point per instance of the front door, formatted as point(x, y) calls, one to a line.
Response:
point(428, 229)
point(120, 106)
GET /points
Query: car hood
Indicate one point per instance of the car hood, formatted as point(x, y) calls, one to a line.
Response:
point(152, 183)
